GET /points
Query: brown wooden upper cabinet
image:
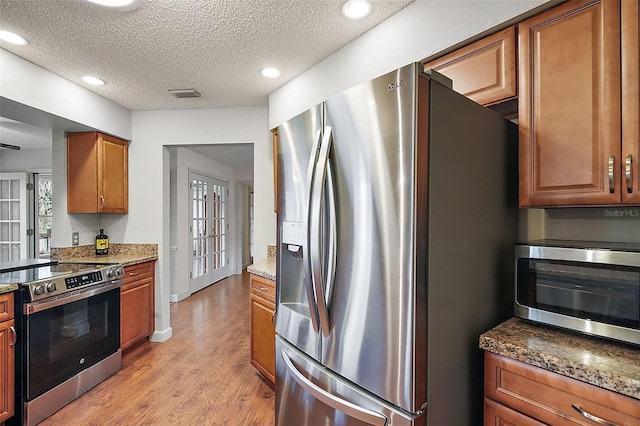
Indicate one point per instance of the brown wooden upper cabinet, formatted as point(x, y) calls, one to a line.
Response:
point(578, 105)
point(97, 173)
point(484, 71)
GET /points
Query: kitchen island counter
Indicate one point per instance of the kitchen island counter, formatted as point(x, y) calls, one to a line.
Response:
point(607, 364)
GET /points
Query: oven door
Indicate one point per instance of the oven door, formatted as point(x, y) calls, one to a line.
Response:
point(65, 336)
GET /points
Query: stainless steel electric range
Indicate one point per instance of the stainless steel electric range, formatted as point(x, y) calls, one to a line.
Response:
point(68, 333)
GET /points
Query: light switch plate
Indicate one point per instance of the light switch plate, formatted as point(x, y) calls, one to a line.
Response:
point(75, 239)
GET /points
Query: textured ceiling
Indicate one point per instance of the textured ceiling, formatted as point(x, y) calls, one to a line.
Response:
point(215, 46)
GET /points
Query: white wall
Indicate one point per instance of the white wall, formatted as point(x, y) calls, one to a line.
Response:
point(25, 159)
point(417, 32)
point(28, 84)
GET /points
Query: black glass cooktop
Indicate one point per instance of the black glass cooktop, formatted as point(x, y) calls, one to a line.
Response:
point(37, 273)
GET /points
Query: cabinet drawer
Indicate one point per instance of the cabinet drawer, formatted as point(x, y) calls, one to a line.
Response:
point(6, 306)
point(263, 287)
point(498, 415)
point(138, 272)
point(551, 397)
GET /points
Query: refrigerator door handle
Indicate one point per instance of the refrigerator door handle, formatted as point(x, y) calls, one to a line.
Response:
point(352, 410)
point(308, 278)
point(315, 227)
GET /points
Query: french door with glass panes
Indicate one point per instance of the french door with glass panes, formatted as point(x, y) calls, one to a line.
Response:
point(208, 231)
point(13, 216)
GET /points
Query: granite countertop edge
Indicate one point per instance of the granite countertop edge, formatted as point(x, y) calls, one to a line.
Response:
point(8, 288)
point(123, 259)
point(596, 361)
point(265, 268)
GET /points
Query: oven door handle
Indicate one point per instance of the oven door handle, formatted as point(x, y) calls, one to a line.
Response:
point(35, 307)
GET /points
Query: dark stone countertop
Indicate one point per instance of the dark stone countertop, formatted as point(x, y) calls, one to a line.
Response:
point(600, 362)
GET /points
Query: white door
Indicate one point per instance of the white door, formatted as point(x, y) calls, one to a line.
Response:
point(208, 231)
point(13, 216)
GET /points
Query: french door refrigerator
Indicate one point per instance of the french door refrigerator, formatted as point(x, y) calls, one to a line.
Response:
point(397, 218)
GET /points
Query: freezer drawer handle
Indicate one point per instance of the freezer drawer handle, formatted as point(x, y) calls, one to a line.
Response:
point(362, 414)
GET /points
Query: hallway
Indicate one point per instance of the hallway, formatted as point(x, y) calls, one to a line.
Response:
point(201, 376)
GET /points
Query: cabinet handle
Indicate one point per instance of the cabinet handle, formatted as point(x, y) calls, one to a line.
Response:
point(15, 336)
point(611, 187)
point(265, 289)
point(102, 200)
point(592, 417)
point(627, 173)
point(133, 274)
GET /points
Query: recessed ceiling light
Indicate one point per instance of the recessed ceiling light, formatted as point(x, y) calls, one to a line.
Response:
point(92, 80)
point(117, 4)
point(12, 38)
point(270, 72)
point(356, 9)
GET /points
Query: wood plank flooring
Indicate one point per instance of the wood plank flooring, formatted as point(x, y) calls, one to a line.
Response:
point(201, 376)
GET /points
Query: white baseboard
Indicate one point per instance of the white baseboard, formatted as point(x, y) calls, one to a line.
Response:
point(161, 336)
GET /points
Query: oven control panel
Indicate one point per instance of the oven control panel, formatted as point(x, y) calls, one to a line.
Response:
point(65, 283)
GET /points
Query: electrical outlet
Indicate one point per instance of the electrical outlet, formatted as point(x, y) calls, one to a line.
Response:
point(75, 238)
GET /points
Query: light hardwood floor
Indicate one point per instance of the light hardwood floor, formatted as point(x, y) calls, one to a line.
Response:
point(201, 376)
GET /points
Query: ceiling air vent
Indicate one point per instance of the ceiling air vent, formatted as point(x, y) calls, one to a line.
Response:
point(185, 93)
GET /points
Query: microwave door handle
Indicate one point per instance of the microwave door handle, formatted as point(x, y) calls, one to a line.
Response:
point(308, 277)
point(315, 240)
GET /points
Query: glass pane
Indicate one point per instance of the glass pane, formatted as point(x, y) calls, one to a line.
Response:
point(4, 253)
point(4, 231)
point(15, 251)
point(4, 190)
point(15, 210)
point(15, 231)
point(4, 210)
point(15, 189)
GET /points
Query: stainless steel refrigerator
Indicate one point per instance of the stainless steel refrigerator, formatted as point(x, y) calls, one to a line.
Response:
point(397, 217)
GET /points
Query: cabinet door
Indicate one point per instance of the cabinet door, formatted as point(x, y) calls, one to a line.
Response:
point(7, 370)
point(263, 337)
point(97, 173)
point(569, 105)
point(113, 173)
point(137, 304)
point(630, 102)
point(498, 415)
point(484, 71)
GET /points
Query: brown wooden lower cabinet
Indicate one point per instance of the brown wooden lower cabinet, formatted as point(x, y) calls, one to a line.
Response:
point(7, 356)
point(520, 394)
point(263, 334)
point(137, 304)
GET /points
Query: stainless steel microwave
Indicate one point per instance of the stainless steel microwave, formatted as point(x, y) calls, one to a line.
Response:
point(589, 287)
